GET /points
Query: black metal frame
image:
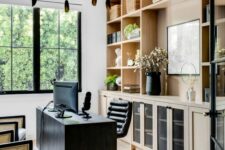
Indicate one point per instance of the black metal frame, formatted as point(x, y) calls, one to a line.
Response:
point(213, 111)
point(11, 132)
point(16, 128)
point(30, 143)
point(12, 117)
point(36, 56)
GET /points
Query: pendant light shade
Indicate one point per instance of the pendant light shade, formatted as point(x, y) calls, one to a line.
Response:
point(34, 2)
point(94, 2)
point(67, 6)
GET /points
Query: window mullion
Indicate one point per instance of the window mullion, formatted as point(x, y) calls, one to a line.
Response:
point(36, 49)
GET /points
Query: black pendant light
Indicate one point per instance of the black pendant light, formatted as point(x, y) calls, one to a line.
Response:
point(108, 4)
point(67, 6)
point(94, 2)
point(34, 2)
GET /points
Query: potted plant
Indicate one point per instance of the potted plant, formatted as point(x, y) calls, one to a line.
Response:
point(152, 64)
point(110, 82)
point(132, 31)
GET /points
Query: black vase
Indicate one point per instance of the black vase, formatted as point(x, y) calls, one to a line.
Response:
point(153, 83)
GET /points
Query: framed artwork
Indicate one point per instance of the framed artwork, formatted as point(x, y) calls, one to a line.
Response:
point(184, 48)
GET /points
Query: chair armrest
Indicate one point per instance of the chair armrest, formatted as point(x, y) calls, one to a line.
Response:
point(10, 126)
point(6, 136)
point(20, 119)
point(23, 145)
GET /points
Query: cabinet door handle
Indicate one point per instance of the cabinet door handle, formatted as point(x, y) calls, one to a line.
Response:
point(120, 99)
point(168, 107)
point(104, 96)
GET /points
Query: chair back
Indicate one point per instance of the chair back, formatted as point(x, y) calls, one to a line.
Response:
point(121, 112)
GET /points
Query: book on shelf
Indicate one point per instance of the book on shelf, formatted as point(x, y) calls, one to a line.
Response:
point(131, 88)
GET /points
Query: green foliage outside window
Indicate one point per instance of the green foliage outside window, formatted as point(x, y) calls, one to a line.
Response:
point(58, 47)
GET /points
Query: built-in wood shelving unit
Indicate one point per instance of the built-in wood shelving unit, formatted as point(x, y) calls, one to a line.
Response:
point(146, 18)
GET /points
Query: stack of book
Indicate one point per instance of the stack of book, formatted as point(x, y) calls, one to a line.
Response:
point(131, 88)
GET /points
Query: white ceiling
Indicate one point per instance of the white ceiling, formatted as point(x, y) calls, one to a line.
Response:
point(74, 4)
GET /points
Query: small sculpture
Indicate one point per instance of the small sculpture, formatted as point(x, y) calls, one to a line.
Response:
point(118, 57)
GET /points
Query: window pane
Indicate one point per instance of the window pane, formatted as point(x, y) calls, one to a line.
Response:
point(68, 59)
point(22, 69)
point(68, 29)
point(49, 28)
point(49, 63)
point(5, 69)
point(5, 25)
point(22, 26)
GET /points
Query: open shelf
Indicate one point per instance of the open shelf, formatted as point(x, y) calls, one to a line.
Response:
point(114, 44)
point(218, 22)
point(128, 21)
point(136, 13)
point(158, 5)
point(114, 20)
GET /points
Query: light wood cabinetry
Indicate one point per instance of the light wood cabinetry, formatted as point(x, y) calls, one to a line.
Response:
point(145, 16)
point(164, 123)
point(199, 129)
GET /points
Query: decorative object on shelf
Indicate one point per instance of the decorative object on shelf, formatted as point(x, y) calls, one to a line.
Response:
point(130, 61)
point(137, 56)
point(153, 64)
point(132, 5)
point(118, 57)
point(119, 81)
point(131, 88)
point(207, 13)
point(110, 82)
point(132, 31)
point(220, 52)
point(189, 79)
point(114, 12)
point(186, 50)
point(207, 94)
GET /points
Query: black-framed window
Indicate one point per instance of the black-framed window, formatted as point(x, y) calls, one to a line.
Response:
point(36, 46)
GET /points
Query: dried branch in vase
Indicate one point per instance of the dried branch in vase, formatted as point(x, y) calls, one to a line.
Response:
point(154, 62)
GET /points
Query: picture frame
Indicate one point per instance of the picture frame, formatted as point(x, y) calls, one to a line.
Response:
point(183, 42)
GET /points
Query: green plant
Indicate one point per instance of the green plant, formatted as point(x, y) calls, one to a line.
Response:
point(130, 28)
point(111, 79)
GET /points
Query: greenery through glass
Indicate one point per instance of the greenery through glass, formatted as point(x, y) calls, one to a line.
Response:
point(58, 47)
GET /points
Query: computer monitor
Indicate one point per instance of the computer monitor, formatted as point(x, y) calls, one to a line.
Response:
point(66, 93)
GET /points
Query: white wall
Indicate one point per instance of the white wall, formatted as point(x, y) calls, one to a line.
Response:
point(93, 67)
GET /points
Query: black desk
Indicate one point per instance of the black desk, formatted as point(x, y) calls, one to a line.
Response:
point(75, 133)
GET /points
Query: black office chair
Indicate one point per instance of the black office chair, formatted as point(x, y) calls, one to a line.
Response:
point(121, 112)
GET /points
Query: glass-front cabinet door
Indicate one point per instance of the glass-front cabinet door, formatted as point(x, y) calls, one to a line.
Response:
point(148, 126)
point(178, 129)
point(136, 122)
point(172, 127)
point(162, 128)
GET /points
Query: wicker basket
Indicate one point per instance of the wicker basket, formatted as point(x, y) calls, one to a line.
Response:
point(132, 5)
point(114, 12)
